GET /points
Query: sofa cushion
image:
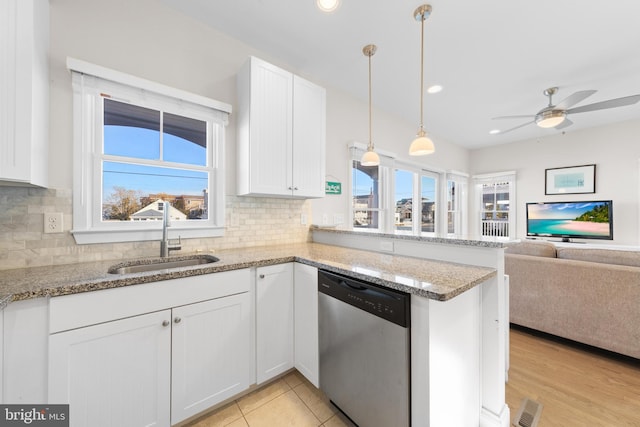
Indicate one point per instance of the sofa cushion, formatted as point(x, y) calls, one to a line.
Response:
point(604, 256)
point(534, 248)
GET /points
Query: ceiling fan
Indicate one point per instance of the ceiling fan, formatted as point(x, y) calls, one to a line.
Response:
point(555, 116)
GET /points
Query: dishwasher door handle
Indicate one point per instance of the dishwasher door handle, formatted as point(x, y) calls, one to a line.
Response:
point(356, 287)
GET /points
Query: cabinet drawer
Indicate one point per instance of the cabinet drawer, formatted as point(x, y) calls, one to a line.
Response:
point(89, 308)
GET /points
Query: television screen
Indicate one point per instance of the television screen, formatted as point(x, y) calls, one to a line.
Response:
point(585, 220)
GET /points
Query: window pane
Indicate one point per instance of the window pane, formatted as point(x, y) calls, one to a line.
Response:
point(495, 218)
point(365, 195)
point(131, 131)
point(428, 196)
point(131, 192)
point(403, 200)
point(184, 140)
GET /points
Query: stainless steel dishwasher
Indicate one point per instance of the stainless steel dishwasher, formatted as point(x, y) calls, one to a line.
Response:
point(365, 350)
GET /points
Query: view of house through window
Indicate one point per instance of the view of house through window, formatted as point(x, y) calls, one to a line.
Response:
point(403, 201)
point(366, 196)
point(428, 194)
point(150, 156)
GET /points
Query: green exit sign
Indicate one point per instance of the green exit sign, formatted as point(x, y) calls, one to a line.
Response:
point(333, 187)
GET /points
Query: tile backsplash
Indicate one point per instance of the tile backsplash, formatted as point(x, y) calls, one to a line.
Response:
point(250, 221)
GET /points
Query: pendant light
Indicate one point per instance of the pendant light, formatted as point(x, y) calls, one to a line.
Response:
point(370, 157)
point(422, 145)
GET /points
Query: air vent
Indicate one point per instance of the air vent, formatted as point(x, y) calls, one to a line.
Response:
point(529, 414)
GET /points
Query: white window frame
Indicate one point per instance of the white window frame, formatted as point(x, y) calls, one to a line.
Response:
point(386, 159)
point(460, 229)
point(89, 81)
point(494, 178)
point(386, 189)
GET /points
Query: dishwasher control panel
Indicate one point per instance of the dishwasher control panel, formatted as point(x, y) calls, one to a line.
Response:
point(386, 303)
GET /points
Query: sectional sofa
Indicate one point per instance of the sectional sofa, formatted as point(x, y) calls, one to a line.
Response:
point(587, 295)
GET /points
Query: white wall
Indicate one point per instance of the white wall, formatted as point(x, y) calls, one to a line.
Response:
point(147, 39)
point(614, 149)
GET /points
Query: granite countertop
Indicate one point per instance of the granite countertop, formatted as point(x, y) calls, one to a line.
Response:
point(436, 280)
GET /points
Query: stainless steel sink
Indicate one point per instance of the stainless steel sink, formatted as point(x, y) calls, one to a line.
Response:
point(157, 264)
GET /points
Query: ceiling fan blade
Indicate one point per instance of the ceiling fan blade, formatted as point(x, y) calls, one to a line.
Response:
point(565, 124)
point(612, 103)
point(572, 100)
point(517, 127)
point(528, 116)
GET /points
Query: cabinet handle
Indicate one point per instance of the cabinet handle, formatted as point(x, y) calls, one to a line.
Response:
point(177, 320)
point(262, 276)
point(165, 323)
point(290, 188)
point(295, 188)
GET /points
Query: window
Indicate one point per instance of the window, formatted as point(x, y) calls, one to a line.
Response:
point(403, 201)
point(494, 193)
point(138, 144)
point(429, 204)
point(366, 196)
point(456, 205)
point(393, 197)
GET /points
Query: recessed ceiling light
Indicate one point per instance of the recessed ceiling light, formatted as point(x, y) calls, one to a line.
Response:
point(494, 132)
point(434, 89)
point(327, 5)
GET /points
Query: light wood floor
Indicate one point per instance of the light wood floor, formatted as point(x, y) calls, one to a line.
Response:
point(576, 386)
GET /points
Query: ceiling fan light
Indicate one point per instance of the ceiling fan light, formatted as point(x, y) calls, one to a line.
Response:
point(370, 158)
point(550, 119)
point(422, 145)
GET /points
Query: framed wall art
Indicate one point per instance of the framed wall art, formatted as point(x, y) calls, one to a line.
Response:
point(570, 180)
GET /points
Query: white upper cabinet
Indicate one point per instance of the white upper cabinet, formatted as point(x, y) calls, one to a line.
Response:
point(281, 133)
point(24, 92)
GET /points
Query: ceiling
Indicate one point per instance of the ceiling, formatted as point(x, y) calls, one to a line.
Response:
point(494, 58)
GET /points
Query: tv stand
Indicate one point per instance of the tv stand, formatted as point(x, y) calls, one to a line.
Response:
point(568, 240)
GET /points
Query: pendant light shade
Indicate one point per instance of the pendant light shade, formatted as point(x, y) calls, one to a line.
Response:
point(422, 145)
point(370, 157)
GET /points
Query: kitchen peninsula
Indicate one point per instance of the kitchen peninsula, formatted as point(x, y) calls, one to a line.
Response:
point(458, 363)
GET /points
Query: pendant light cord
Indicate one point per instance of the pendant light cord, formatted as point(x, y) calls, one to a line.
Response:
point(422, 72)
point(370, 136)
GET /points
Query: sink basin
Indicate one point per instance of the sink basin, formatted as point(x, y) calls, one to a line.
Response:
point(157, 264)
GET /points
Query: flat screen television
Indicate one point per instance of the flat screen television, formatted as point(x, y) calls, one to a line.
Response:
point(571, 220)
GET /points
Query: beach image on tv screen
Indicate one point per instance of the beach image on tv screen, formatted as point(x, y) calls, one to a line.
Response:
point(585, 219)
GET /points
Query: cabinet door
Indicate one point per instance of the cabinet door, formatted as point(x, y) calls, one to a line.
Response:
point(309, 138)
point(274, 320)
point(114, 374)
point(305, 293)
point(270, 129)
point(210, 353)
point(24, 91)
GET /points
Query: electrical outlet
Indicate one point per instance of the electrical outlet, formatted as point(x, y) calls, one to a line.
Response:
point(53, 222)
point(325, 219)
point(303, 219)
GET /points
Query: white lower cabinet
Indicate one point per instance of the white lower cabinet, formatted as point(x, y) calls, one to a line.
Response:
point(153, 369)
point(274, 321)
point(306, 352)
point(114, 374)
point(210, 354)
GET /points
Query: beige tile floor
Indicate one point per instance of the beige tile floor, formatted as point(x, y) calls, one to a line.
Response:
point(288, 401)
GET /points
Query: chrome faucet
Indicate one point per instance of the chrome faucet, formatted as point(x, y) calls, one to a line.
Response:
point(166, 245)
